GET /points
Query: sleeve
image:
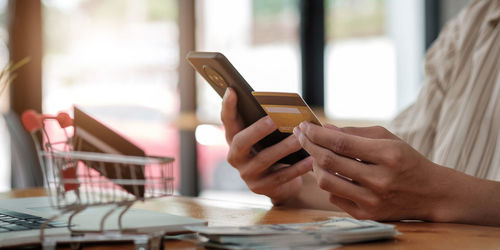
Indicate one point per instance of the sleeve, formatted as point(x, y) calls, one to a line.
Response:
point(417, 124)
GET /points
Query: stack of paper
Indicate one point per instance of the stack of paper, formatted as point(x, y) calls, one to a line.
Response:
point(303, 235)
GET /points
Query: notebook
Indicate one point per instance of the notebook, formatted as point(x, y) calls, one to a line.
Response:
point(93, 136)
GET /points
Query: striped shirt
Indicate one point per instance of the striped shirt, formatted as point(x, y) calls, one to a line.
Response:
point(455, 120)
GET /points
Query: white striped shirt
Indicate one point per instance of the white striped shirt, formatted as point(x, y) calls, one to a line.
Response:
point(455, 121)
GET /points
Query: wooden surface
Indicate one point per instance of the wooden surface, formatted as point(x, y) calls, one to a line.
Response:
point(415, 235)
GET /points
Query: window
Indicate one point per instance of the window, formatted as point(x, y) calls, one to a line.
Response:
point(118, 60)
point(373, 57)
point(261, 39)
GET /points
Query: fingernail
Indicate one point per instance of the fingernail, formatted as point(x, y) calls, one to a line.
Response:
point(269, 121)
point(304, 126)
point(227, 92)
point(297, 132)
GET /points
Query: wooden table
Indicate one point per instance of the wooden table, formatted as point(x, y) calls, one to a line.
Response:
point(415, 235)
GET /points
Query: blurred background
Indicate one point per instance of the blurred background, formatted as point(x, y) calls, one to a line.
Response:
point(357, 62)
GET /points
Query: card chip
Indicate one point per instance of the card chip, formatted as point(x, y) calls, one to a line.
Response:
point(287, 110)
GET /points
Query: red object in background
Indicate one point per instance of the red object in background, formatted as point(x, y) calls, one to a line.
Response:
point(165, 143)
point(69, 175)
point(209, 159)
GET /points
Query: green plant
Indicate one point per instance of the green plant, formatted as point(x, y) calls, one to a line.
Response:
point(7, 74)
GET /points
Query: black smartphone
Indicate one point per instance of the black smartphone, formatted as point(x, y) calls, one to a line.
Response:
point(220, 74)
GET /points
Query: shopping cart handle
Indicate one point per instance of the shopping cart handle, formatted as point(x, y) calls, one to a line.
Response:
point(33, 121)
point(64, 120)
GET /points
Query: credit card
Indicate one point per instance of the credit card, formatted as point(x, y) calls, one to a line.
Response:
point(287, 110)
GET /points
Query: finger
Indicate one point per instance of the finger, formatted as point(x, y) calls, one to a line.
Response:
point(243, 141)
point(334, 163)
point(375, 132)
point(267, 157)
point(272, 154)
point(229, 115)
point(273, 182)
point(349, 207)
point(331, 126)
point(341, 187)
point(352, 146)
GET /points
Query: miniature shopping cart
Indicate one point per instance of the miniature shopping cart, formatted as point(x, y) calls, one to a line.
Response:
point(77, 180)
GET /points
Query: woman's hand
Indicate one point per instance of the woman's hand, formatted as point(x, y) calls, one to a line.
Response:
point(258, 169)
point(370, 173)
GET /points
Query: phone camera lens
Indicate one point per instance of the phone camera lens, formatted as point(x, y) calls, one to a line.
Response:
point(215, 77)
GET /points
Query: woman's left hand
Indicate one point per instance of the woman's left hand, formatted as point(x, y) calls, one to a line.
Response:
point(371, 173)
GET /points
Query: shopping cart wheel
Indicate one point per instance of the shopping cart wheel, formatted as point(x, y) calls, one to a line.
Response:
point(75, 245)
point(156, 242)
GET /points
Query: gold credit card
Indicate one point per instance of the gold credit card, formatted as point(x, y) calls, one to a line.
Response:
point(287, 110)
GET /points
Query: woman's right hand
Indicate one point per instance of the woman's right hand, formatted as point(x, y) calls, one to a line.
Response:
point(258, 169)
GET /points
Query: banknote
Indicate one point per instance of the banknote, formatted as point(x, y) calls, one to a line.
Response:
point(320, 233)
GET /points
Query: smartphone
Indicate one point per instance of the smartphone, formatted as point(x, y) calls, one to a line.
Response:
point(220, 74)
